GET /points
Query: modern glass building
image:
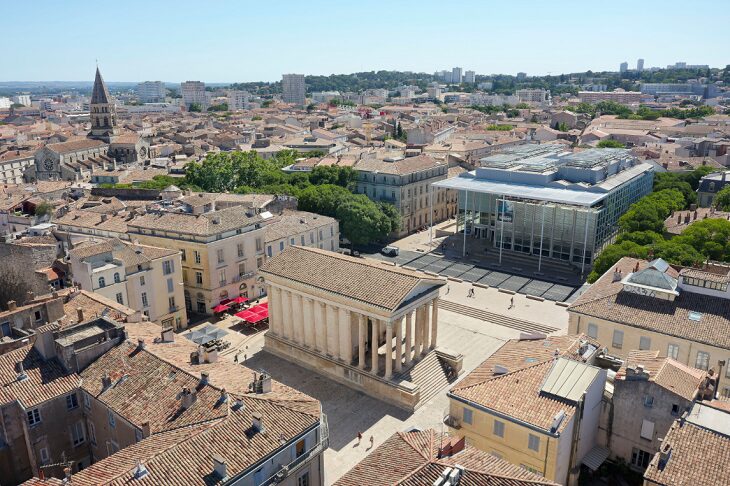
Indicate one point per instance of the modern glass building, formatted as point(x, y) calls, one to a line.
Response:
point(547, 201)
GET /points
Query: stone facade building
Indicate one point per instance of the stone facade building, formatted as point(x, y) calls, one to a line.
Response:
point(360, 322)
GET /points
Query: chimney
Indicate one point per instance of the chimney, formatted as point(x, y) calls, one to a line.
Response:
point(167, 335)
point(146, 431)
point(106, 381)
point(22, 375)
point(204, 377)
point(140, 344)
point(140, 471)
point(187, 398)
point(79, 314)
point(258, 422)
point(219, 466)
point(664, 454)
point(224, 396)
point(29, 296)
point(12, 305)
point(104, 217)
point(265, 383)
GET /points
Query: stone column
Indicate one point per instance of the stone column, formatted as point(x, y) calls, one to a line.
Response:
point(398, 344)
point(388, 350)
point(434, 322)
point(374, 348)
point(309, 339)
point(417, 333)
point(333, 328)
point(286, 313)
point(274, 310)
point(345, 336)
point(321, 316)
point(424, 329)
point(361, 331)
point(297, 319)
point(409, 319)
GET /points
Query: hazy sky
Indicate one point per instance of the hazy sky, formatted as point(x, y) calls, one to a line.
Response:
point(226, 41)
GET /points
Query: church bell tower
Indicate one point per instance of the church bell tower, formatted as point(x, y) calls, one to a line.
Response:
point(103, 112)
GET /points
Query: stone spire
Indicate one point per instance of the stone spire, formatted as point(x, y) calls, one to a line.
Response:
point(100, 94)
point(103, 112)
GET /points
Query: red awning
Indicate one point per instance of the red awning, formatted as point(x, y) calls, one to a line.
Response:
point(225, 301)
point(239, 300)
point(265, 304)
point(220, 308)
point(261, 310)
point(256, 318)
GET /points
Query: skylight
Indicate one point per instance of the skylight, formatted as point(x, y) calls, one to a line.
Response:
point(695, 316)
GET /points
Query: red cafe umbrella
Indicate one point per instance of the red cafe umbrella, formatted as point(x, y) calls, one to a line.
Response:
point(239, 300)
point(220, 308)
point(245, 314)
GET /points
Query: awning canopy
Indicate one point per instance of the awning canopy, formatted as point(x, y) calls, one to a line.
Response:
point(596, 457)
point(240, 300)
point(244, 314)
point(220, 308)
point(206, 334)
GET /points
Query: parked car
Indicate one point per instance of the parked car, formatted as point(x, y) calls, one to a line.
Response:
point(391, 251)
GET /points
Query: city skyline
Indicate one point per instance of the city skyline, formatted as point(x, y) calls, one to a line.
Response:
point(246, 43)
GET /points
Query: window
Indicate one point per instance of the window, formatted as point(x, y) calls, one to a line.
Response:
point(112, 420)
point(240, 250)
point(268, 250)
point(120, 298)
point(299, 447)
point(77, 433)
point(168, 267)
point(302, 240)
point(593, 330)
point(87, 401)
point(34, 416)
point(45, 458)
point(141, 280)
point(102, 282)
point(221, 257)
point(171, 301)
point(641, 458)
point(675, 410)
point(259, 245)
point(647, 430)
point(196, 254)
point(618, 339)
point(198, 278)
point(182, 255)
point(117, 279)
point(311, 238)
point(533, 442)
point(498, 428)
point(37, 315)
point(170, 285)
point(281, 246)
point(644, 343)
point(673, 351)
point(467, 416)
point(241, 269)
point(92, 433)
point(648, 401)
point(703, 360)
point(303, 479)
point(222, 276)
point(72, 401)
point(145, 303)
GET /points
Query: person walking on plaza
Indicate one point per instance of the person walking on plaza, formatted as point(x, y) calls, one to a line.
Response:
point(372, 441)
point(511, 302)
point(359, 437)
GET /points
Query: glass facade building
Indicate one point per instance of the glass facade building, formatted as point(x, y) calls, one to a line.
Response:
point(544, 200)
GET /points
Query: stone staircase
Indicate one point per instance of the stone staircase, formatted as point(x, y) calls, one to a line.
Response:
point(498, 319)
point(429, 374)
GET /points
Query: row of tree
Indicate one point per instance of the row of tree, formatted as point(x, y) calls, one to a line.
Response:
point(643, 112)
point(642, 231)
point(326, 190)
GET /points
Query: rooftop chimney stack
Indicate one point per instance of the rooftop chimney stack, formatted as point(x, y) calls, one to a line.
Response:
point(140, 344)
point(22, 375)
point(204, 377)
point(187, 398)
point(219, 466)
point(79, 314)
point(258, 422)
point(29, 296)
point(12, 305)
point(167, 335)
point(106, 381)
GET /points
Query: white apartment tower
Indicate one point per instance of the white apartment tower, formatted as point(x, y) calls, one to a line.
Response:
point(194, 92)
point(239, 100)
point(151, 92)
point(293, 88)
point(456, 75)
point(470, 77)
point(640, 65)
point(624, 67)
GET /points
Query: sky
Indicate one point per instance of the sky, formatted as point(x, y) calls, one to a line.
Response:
point(229, 41)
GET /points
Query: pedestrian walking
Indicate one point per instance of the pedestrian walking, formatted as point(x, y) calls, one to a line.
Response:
point(512, 302)
point(372, 441)
point(235, 358)
point(359, 437)
point(448, 289)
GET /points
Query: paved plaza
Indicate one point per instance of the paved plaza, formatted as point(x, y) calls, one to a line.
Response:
point(350, 411)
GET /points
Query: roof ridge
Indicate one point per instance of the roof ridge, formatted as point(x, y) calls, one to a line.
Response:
point(509, 373)
point(404, 436)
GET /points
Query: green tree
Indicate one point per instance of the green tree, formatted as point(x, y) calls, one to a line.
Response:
point(219, 107)
point(195, 108)
point(361, 221)
point(612, 254)
point(44, 209)
point(722, 199)
point(391, 212)
point(710, 237)
point(610, 144)
point(642, 238)
point(332, 174)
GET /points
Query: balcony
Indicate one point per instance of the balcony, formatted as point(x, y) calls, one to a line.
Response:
point(294, 466)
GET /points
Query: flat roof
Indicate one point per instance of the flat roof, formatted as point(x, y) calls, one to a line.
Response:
point(709, 418)
point(525, 191)
point(569, 379)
